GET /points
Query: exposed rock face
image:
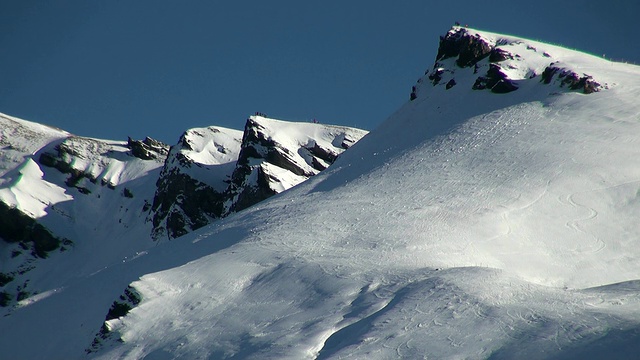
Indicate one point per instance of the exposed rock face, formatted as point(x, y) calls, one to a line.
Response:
point(16, 227)
point(247, 167)
point(495, 80)
point(469, 48)
point(148, 149)
point(585, 83)
point(499, 64)
point(190, 189)
point(272, 160)
point(183, 204)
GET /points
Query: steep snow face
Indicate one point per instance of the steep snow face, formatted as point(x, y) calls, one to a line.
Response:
point(21, 184)
point(207, 147)
point(28, 192)
point(20, 139)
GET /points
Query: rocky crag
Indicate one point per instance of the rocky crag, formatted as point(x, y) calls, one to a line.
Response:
point(214, 171)
point(499, 65)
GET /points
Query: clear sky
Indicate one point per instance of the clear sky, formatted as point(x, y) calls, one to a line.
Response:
point(112, 69)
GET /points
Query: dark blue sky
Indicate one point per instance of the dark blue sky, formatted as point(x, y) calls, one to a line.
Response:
point(112, 69)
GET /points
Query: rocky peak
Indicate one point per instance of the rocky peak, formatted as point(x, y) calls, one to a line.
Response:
point(192, 182)
point(277, 155)
point(500, 64)
point(467, 47)
point(213, 172)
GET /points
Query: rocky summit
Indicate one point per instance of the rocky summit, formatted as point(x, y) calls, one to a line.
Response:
point(499, 65)
point(213, 172)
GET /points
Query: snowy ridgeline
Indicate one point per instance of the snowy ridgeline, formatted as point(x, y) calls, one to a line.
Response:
point(84, 204)
point(474, 223)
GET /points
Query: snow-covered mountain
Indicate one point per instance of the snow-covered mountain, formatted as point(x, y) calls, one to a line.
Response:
point(105, 200)
point(214, 171)
point(494, 215)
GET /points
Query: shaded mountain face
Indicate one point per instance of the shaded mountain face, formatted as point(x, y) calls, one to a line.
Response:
point(64, 197)
point(59, 191)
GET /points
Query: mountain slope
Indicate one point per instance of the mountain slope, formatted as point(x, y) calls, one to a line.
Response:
point(109, 200)
point(471, 224)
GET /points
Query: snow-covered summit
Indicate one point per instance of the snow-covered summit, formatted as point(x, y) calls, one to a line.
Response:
point(214, 171)
point(501, 64)
point(277, 155)
point(470, 224)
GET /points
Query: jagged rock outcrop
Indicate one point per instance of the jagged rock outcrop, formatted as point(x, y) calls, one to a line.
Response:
point(119, 308)
point(498, 64)
point(467, 47)
point(495, 80)
point(272, 160)
point(148, 149)
point(571, 79)
point(213, 171)
point(191, 185)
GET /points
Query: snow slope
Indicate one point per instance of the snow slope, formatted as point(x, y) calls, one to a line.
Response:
point(468, 225)
point(20, 139)
point(88, 195)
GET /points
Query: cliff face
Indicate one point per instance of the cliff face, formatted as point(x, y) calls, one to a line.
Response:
point(277, 155)
point(191, 185)
point(213, 171)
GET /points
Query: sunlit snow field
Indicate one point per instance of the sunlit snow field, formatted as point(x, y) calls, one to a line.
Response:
point(468, 225)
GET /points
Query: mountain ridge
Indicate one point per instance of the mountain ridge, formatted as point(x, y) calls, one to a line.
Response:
point(470, 224)
point(63, 192)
